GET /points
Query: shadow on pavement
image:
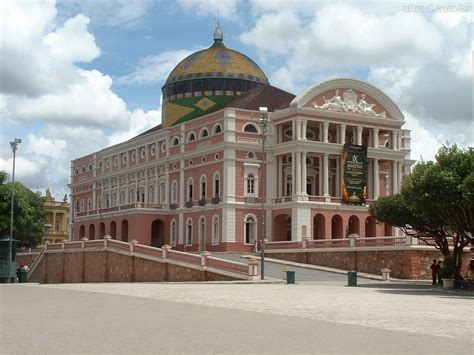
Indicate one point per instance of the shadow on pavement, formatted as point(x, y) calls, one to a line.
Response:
point(418, 290)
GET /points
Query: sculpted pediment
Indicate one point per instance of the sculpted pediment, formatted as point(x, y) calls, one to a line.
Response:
point(348, 96)
point(348, 100)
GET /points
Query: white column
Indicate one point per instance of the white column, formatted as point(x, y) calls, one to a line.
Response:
point(126, 202)
point(147, 186)
point(293, 130)
point(395, 140)
point(229, 180)
point(157, 184)
point(181, 184)
point(293, 173)
point(303, 173)
point(279, 175)
point(298, 129)
point(325, 131)
point(326, 175)
point(342, 134)
point(376, 181)
point(375, 136)
point(304, 123)
point(298, 172)
point(394, 177)
point(359, 135)
point(167, 185)
point(320, 132)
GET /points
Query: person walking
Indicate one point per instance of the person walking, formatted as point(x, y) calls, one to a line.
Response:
point(434, 271)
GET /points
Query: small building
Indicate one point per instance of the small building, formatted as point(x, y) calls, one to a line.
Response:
point(57, 219)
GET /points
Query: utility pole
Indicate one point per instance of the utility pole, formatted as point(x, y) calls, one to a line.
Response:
point(13, 146)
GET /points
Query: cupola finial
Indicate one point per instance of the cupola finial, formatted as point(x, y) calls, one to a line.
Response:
point(218, 34)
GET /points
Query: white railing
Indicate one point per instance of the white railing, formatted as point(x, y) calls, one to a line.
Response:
point(202, 260)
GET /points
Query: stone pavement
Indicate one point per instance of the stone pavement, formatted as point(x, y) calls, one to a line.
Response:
point(235, 318)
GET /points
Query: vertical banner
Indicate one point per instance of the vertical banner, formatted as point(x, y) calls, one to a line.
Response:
point(354, 174)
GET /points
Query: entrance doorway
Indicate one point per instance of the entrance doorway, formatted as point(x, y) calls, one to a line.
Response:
point(157, 233)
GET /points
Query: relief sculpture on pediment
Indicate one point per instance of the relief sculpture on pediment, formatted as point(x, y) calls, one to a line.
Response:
point(349, 103)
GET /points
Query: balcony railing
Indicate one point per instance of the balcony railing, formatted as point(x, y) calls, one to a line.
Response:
point(120, 208)
point(216, 200)
point(189, 204)
point(202, 202)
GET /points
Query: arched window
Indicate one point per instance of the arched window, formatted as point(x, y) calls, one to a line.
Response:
point(250, 229)
point(250, 185)
point(89, 204)
point(189, 232)
point(82, 206)
point(203, 186)
point(174, 192)
point(99, 202)
point(215, 230)
point(151, 197)
point(83, 169)
point(76, 171)
point(217, 129)
point(107, 201)
point(289, 186)
point(202, 233)
point(250, 128)
point(162, 193)
point(90, 167)
point(173, 232)
point(204, 133)
point(190, 189)
point(216, 186)
point(175, 141)
point(122, 198)
point(76, 206)
point(191, 137)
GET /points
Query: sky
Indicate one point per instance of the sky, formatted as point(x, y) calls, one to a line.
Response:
point(78, 76)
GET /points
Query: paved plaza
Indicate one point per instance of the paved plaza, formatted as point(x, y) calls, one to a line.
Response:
point(309, 317)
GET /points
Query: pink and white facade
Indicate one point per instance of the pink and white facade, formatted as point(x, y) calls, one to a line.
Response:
point(199, 185)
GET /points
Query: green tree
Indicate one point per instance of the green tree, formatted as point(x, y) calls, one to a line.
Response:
point(436, 203)
point(29, 214)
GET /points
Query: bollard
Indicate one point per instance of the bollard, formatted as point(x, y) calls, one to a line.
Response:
point(385, 274)
point(290, 277)
point(352, 278)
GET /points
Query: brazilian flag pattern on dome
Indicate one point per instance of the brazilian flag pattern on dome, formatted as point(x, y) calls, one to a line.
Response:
point(187, 108)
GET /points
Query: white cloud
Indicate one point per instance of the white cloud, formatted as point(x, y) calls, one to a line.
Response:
point(422, 61)
point(140, 121)
point(72, 42)
point(60, 110)
point(154, 69)
point(41, 145)
point(112, 12)
point(227, 8)
point(90, 101)
point(40, 81)
point(278, 29)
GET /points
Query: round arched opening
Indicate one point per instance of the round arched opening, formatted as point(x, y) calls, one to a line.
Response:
point(282, 228)
point(354, 225)
point(319, 226)
point(157, 233)
point(337, 229)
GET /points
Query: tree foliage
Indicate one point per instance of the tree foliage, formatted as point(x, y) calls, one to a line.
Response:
point(29, 214)
point(436, 202)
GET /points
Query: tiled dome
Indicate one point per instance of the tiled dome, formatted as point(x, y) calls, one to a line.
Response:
point(216, 74)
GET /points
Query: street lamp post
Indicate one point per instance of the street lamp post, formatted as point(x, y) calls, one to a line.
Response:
point(13, 146)
point(263, 123)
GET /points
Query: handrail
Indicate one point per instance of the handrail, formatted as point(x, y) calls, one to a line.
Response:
point(35, 262)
